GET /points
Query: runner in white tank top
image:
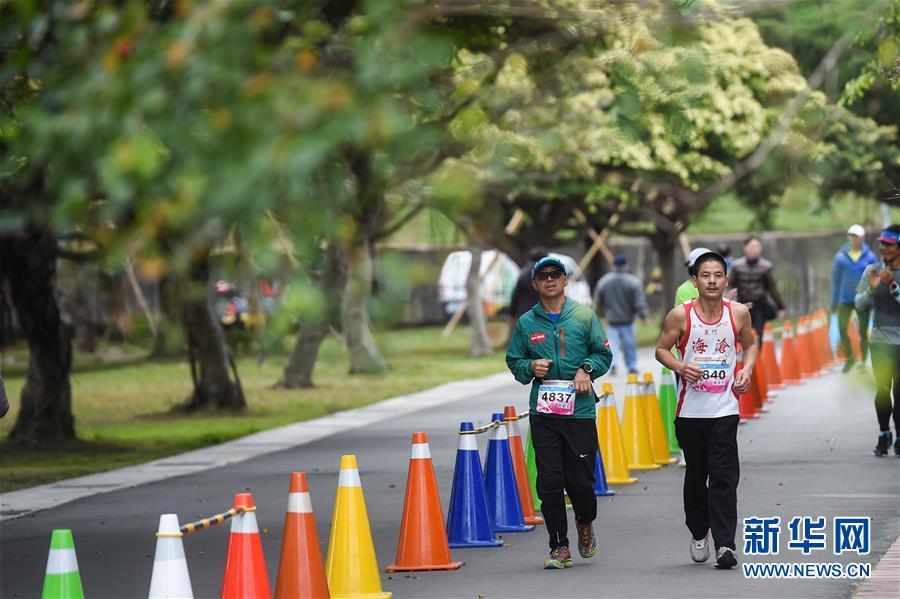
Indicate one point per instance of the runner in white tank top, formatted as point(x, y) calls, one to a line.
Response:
point(711, 347)
point(706, 331)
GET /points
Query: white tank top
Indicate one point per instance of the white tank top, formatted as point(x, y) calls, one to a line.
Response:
point(711, 347)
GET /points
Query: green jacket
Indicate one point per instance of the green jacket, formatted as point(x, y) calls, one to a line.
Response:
point(576, 339)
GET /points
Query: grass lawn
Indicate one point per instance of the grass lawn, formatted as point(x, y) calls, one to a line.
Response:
point(123, 414)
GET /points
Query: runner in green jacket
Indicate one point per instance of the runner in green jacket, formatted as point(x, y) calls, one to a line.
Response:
point(559, 348)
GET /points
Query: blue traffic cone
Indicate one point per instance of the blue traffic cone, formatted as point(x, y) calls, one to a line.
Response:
point(600, 487)
point(468, 521)
point(504, 504)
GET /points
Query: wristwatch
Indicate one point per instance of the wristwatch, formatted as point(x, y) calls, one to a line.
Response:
point(587, 368)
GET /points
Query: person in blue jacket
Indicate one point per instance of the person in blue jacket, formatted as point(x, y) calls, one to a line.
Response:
point(849, 264)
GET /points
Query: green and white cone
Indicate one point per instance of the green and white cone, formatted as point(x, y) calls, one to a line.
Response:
point(62, 580)
point(531, 467)
point(667, 405)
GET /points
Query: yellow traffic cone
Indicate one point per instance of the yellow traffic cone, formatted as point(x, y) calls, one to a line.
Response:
point(351, 567)
point(635, 432)
point(609, 436)
point(659, 446)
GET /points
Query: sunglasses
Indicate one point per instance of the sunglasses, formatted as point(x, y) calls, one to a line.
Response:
point(550, 274)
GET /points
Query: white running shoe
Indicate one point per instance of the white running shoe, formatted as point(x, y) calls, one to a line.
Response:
point(725, 558)
point(700, 550)
point(682, 463)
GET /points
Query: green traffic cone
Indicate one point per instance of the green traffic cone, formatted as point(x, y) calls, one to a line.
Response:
point(667, 403)
point(531, 467)
point(62, 580)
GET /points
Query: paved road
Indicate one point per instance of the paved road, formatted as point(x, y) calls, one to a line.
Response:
point(810, 455)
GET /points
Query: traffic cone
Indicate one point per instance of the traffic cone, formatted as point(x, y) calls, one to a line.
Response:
point(423, 539)
point(635, 430)
point(746, 405)
point(468, 520)
point(765, 391)
point(521, 470)
point(667, 406)
point(245, 567)
point(351, 567)
point(609, 436)
point(601, 489)
point(531, 468)
point(500, 486)
point(825, 342)
point(790, 367)
point(62, 580)
point(657, 429)
point(301, 571)
point(758, 388)
point(170, 577)
point(805, 358)
point(773, 373)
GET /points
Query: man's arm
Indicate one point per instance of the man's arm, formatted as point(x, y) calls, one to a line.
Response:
point(517, 359)
point(640, 301)
point(747, 338)
point(773, 291)
point(599, 354)
point(835, 281)
point(863, 299)
point(673, 328)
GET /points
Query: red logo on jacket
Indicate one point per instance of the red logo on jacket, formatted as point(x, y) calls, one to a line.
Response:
point(538, 337)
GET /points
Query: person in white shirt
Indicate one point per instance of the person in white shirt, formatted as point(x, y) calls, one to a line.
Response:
point(706, 331)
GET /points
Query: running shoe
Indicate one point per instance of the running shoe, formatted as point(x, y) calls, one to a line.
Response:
point(884, 441)
point(559, 558)
point(587, 542)
point(725, 558)
point(848, 365)
point(699, 550)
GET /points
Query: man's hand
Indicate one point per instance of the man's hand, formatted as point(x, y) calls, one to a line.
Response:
point(690, 372)
point(540, 367)
point(886, 276)
point(741, 381)
point(874, 278)
point(582, 382)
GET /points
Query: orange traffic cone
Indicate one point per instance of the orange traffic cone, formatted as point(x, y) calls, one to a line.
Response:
point(758, 389)
point(609, 435)
point(423, 539)
point(823, 345)
point(301, 571)
point(790, 368)
point(635, 431)
point(245, 567)
point(746, 405)
point(806, 360)
point(523, 482)
point(773, 373)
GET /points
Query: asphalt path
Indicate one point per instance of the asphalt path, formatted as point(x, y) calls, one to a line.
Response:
point(809, 455)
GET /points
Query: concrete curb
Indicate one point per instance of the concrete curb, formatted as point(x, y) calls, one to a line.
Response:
point(27, 501)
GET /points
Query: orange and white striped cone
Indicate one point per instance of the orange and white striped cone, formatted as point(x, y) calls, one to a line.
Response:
point(769, 362)
point(423, 539)
point(245, 566)
point(301, 571)
point(790, 367)
point(523, 482)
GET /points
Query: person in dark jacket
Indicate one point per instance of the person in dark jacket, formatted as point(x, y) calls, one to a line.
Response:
point(619, 298)
point(847, 269)
point(752, 283)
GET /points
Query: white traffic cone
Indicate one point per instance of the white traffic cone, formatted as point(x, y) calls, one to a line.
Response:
point(170, 579)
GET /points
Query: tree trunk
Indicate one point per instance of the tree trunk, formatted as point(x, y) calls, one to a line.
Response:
point(299, 368)
point(29, 263)
point(212, 364)
point(480, 344)
point(329, 278)
point(673, 271)
point(364, 355)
